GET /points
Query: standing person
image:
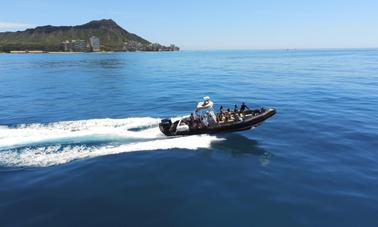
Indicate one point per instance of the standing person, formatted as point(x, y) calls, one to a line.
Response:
point(243, 107)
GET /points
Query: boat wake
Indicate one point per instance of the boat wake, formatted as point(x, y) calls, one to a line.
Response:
point(41, 145)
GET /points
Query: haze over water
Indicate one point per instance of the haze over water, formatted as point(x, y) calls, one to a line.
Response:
point(80, 144)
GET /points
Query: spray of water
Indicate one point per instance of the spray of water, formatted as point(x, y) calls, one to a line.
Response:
point(43, 145)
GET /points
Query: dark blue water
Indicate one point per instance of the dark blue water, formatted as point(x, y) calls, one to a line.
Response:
point(79, 143)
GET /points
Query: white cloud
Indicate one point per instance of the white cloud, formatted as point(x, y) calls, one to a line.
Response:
point(11, 26)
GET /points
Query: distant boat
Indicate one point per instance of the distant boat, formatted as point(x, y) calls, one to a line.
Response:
point(203, 120)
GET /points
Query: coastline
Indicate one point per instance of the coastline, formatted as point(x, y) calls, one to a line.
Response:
point(75, 52)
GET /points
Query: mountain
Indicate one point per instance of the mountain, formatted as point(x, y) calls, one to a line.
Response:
point(49, 38)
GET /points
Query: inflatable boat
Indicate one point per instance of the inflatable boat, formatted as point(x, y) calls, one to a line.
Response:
point(204, 120)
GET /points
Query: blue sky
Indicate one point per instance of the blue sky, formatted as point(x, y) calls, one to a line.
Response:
point(211, 24)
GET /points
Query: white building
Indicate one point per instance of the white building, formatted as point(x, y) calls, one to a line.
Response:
point(94, 43)
point(66, 46)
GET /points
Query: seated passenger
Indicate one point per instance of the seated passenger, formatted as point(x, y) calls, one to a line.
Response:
point(235, 114)
point(221, 114)
point(219, 117)
point(236, 110)
point(191, 123)
point(205, 121)
point(210, 119)
point(198, 123)
point(227, 114)
point(212, 116)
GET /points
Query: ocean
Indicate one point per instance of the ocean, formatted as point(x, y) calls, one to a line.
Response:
point(80, 144)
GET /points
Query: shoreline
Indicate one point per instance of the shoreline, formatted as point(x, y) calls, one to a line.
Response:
point(63, 52)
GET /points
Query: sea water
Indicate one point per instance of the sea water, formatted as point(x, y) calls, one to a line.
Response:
point(80, 143)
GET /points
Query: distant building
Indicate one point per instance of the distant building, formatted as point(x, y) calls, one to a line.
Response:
point(66, 46)
point(74, 46)
point(137, 46)
point(133, 46)
point(155, 47)
point(172, 47)
point(94, 43)
point(79, 45)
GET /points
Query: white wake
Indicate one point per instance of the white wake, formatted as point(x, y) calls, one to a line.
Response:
point(62, 142)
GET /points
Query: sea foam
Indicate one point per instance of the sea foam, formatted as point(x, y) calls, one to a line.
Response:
point(43, 145)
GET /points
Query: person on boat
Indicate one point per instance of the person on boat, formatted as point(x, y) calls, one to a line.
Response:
point(206, 100)
point(205, 121)
point(243, 107)
point(221, 113)
point(236, 110)
point(227, 114)
point(212, 117)
point(192, 120)
point(198, 122)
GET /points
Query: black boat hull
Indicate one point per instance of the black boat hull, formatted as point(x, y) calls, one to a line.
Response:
point(257, 117)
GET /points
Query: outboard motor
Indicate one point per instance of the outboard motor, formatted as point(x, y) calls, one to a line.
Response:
point(165, 126)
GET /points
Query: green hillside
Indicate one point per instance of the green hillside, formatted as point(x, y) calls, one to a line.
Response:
point(49, 38)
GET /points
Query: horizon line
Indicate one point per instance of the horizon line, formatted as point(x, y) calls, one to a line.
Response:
point(262, 49)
